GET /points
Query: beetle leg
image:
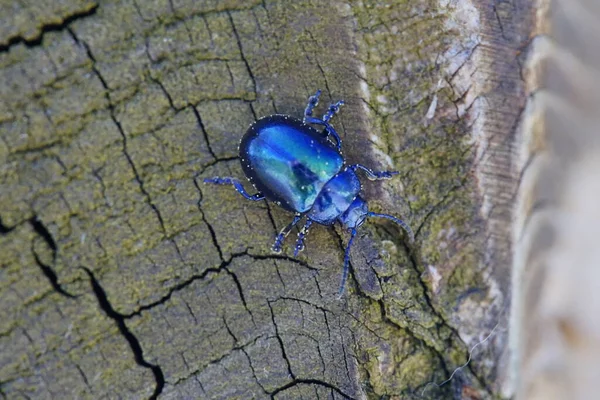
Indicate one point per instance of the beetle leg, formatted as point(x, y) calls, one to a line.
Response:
point(346, 264)
point(332, 132)
point(332, 110)
point(374, 175)
point(284, 232)
point(312, 103)
point(328, 129)
point(301, 237)
point(238, 186)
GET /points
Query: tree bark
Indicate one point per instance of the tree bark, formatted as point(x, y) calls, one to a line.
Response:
point(123, 276)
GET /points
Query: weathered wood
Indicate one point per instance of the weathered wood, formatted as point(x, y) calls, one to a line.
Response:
point(124, 276)
point(556, 336)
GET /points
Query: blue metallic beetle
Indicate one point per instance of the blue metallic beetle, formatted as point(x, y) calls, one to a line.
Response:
point(302, 170)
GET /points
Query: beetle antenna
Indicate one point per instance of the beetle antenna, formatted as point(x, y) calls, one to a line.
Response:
point(346, 265)
point(403, 224)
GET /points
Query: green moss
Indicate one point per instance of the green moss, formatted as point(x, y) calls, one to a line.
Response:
point(434, 157)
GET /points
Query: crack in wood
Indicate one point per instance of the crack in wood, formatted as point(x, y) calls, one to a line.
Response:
point(133, 341)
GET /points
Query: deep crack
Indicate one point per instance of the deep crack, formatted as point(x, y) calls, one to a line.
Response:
point(134, 343)
point(41, 230)
point(51, 27)
point(5, 229)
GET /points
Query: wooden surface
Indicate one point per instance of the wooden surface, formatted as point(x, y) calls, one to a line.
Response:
point(123, 276)
point(556, 334)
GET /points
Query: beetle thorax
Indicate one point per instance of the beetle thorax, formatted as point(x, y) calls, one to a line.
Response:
point(356, 214)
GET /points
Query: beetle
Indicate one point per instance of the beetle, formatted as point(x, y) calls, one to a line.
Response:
point(302, 169)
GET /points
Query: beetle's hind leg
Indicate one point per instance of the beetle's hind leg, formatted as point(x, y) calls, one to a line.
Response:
point(284, 232)
point(238, 186)
point(331, 111)
point(313, 101)
point(374, 175)
point(301, 236)
point(332, 132)
point(328, 129)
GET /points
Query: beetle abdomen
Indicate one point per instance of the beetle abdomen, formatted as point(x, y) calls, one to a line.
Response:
point(288, 161)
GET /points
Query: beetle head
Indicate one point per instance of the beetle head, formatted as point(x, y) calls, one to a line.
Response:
point(356, 214)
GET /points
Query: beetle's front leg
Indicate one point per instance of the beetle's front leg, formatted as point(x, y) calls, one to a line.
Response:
point(238, 186)
point(374, 175)
point(284, 232)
